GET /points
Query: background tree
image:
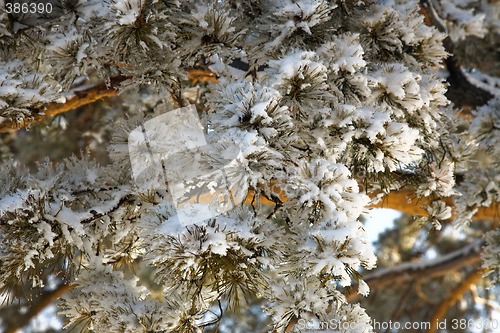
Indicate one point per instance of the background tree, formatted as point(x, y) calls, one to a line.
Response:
point(335, 107)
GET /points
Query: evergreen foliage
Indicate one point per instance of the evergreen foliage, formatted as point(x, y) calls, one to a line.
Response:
point(332, 103)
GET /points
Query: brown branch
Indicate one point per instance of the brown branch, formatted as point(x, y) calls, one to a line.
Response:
point(41, 303)
point(453, 297)
point(82, 98)
point(411, 271)
point(196, 75)
point(92, 95)
point(404, 201)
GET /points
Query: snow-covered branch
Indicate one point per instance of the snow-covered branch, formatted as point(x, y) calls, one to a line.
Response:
point(464, 257)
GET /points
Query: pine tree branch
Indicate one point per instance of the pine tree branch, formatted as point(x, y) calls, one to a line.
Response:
point(37, 306)
point(453, 297)
point(402, 200)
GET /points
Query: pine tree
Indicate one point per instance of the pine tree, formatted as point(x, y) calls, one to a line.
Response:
point(220, 157)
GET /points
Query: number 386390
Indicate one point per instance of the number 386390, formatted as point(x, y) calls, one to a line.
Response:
point(25, 8)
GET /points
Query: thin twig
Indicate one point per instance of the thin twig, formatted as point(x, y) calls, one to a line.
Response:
point(41, 303)
point(492, 304)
